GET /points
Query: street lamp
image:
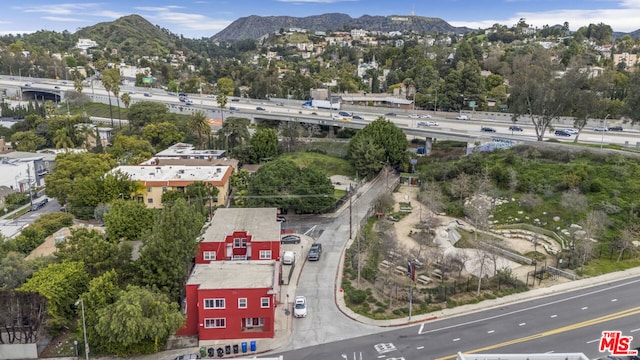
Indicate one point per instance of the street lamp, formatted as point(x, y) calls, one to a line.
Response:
point(84, 330)
point(603, 130)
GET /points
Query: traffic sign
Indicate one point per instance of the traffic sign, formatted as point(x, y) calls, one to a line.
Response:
point(147, 80)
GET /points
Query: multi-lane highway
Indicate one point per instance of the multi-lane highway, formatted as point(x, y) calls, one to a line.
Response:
point(563, 323)
point(287, 109)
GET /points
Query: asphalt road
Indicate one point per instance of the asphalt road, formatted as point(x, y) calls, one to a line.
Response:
point(568, 322)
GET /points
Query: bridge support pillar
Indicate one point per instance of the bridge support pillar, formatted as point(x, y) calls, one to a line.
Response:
point(428, 142)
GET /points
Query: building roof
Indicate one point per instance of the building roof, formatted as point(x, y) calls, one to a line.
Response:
point(187, 151)
point(260, 223)
point(23, 155)
point(242, 274)
point(179, 173)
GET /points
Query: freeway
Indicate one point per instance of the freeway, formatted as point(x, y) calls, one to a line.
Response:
point(566, 322)
point(449, 127)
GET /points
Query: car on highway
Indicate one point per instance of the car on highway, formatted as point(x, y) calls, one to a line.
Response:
point(345, 119)
point(233, 108)
point(427, 123)
point(425, 116)
point(235, 99)
point(357, 117)
point(391, 114)
point(600, 129)
point(56, 87)
point(615, 128)
point(515, 128)
point(187, 357)
point(414, 116)
point(344, 113)
point(462, 117)
point(562, 133)
point(290, 239)
point(260, 108)
point(280, 104)
point(314, 252)
point(300, 307)
point(487, 129)
point(147, 94)
point(188, 102)
point(171, 93)
point(571, 131)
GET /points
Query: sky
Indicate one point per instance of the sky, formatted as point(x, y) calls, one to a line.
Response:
point(204, 18)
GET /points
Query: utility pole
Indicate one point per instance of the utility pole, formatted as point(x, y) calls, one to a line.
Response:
point(350, 213)
point(29, 182)
point(412, 276)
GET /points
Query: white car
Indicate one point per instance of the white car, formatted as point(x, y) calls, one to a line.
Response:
point(414, 116)
point(300, 307)
point(571, 131)
point(462, 117)
point(427, 123)
point(600, 128)
point(425, 116)
point(288, 257)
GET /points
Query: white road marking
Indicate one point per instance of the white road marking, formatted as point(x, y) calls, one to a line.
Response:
point(614, 300)
point(522, 324)
point(592, 341)
point(421, 327)
point(491, 331)
point(456, 339)
point(549, 352)
point(584, 308)
point(509, 313)
point(382, 356)
point(634, 330)
point(553, 316)
point(420, 348)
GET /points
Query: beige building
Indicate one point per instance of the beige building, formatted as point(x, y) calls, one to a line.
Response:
point(159, 179)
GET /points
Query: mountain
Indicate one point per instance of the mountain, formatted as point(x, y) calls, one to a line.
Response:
point(254, 27)
point(131, 34)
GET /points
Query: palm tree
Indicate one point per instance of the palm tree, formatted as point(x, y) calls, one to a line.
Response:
point(126, 100)
point(108, 79)
point(62, 139)
point(85, 131)
point(222, 102)
point(199, 126)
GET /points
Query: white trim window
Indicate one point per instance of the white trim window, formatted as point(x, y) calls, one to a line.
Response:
point(265, 302)
point(215, 323)
point(209, 255)
point(265, 254)
point(214, 303)
point(239, 243)
point(242, 303)
point(253, 322)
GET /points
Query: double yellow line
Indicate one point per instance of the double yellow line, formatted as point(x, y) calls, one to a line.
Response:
point(598, 320)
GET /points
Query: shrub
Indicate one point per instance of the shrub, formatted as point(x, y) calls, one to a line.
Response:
point(356, 296)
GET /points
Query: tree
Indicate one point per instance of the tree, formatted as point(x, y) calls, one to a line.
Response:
point(27, 141)
point(366, 157)
point(89, 192)
point(62, 139)
point(384, 135)
point(102, 292)
point(146, 112)
point(536, 92)
point(14, 271)
point(111, 80)
point(126, 100)
point(72, 167)
point(136, 321)
point(29, 308)
point(169, 248)
point(91, 248)
point(131, 150)
point(162, 135)
point(235, 132)
point(225, 86)
point(61, 284)
point(221, 99)
point(282, 184)
point(199, 126)
point(263, 145)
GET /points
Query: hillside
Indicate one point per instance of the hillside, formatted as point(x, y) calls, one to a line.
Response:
point(131, 34)
point(253, 27)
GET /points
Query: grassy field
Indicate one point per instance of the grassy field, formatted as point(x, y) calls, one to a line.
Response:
point(329, 165)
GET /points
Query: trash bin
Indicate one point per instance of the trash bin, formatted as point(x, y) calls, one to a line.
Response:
point(253, 345)
point(227, 349)
point(235, 349)
point(203, 352)
point(244, 347)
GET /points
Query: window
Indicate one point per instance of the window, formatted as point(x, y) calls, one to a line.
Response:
point(164, 189)
point(149, 189)
point(214, 303)
point(253, 322)
point(242, 303)
point(264, 302)
point(150, 201)
point(239, 257)
point(265, 254)
point(209, 255)
point(239, 243)
point(215, 323)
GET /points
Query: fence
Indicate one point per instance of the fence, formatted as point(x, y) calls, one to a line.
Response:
point(559, 272)
point(509, 254)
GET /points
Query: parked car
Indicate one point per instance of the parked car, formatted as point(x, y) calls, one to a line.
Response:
point(344, 113)
point(290, 239)
point(260, 108)
point(288, 257)
point(462, 117)
point(314, 252)
point(37, 205)
point(600, 128)
point(562, 133)
point(615, 128)
point(300, 307)
point(487, 129)
point(515, 128)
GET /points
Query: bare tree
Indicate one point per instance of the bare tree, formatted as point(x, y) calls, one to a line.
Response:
point(625, 241)
point(592, 225)
point(461, 186)
point(459, 261)
point(481, 259)
point(513, 181)
point(432, 198)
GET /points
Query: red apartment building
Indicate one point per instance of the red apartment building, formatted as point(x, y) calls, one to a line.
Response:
point(232, 291)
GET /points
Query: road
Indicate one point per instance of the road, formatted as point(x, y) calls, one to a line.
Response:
point(247, 107)
point(567, 322)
